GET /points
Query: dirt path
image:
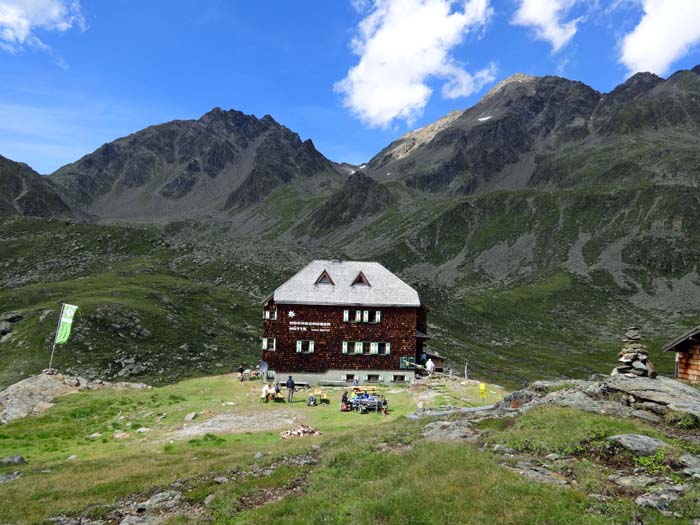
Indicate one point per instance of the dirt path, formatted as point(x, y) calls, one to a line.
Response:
point(236, 424)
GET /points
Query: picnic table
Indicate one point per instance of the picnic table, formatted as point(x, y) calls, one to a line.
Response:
point(372, 403)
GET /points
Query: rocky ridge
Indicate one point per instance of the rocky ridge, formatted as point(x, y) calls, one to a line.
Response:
point(192, 168)
point(24, 192)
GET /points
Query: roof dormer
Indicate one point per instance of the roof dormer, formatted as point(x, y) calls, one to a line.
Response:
point(324, 278)
point(361, 280)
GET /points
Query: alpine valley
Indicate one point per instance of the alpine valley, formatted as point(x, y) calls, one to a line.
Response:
point(537, 225)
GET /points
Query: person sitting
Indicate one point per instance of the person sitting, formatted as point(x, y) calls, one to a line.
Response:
point(312, 401)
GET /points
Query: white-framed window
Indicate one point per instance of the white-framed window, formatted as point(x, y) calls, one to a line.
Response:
point(270, 314)
point(380, 348)
point(305, 346)
point(373, 378)
point(347, 377)
point(359, 347)
point(398, 379)
point(345, 347)
point(362, 316)
point(269, 343)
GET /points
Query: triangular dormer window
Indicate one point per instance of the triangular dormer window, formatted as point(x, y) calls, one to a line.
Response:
point(361, 279)
point(324, 278)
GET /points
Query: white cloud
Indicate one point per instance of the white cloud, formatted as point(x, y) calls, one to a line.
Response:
point(19, 20)
point(667, 31)
point(404, 43)
point(545, 17)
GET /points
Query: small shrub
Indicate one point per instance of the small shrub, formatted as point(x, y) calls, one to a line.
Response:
point(654, 464)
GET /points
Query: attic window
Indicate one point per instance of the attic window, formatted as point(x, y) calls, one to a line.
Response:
point(361, 279)
point(325, 279)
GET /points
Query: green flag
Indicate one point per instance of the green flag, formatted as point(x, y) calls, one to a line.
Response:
point(65, 323)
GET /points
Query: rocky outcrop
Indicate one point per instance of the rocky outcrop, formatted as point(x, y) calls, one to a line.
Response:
point(35, 394)
point(640, 397)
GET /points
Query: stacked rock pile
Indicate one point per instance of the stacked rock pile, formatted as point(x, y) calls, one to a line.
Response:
point(300, 431)
point(634, 357)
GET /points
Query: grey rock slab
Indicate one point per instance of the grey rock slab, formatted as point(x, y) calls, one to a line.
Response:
point(690, 461)
point(5, 328)
point(10, 477)
point(632, 481)
point(190, 416)
point(639, 444)
point(660, 496)
point(13, 460)
point(11, 317)
point(167, 498)
point(675, 395)
point(539, 474)
point(209, 499)
point(220, 480)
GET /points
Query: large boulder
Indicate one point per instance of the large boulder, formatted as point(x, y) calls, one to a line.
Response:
point(639, 444)
point(34, 395)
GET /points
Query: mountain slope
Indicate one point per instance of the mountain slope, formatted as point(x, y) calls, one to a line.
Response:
point(24, 192)
point(533, 131)
point(192, 168)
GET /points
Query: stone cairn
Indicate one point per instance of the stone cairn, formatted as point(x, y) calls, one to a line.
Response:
point(634, 357)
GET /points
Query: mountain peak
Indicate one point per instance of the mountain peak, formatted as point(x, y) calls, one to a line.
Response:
point(696, 69)
point(517, 78)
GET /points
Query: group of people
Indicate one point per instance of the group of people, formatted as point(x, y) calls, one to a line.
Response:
point(272, 391)
point(347, 404)
point(269, 392)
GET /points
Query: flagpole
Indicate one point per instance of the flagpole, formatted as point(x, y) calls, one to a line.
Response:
point(53, 347)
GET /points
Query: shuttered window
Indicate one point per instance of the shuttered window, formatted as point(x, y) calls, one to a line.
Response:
point(305, 347)
point(345, 347)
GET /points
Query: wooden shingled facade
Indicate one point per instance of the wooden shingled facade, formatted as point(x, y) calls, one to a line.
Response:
point(687, 348)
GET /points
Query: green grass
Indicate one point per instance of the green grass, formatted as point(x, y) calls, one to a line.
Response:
point(108, 469)
point(356, 480)
point(546, 430)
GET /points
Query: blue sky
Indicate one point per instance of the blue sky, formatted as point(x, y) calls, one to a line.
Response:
point(350, 75)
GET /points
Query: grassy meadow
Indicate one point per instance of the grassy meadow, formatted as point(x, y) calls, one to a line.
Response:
point(367, 468)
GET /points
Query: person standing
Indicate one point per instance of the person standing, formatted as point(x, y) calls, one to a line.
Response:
point(240, 372)
point(290, 389)
point(430, 366)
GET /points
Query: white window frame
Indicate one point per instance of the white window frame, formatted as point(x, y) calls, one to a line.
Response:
point(358, 316)
point(374, 348)
point(345, 347)
point(270, 315)
point(346, 316)
point(310, 346)
point(266, 343)
point(361, 346)
point(365, 316)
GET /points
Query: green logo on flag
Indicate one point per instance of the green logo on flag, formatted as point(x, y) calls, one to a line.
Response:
point(65, 323)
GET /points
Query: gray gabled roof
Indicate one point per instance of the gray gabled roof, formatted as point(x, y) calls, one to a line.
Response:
point(682, 339)
point(385, 288)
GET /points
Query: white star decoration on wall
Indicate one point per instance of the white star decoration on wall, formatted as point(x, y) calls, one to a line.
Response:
point(291, 313)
